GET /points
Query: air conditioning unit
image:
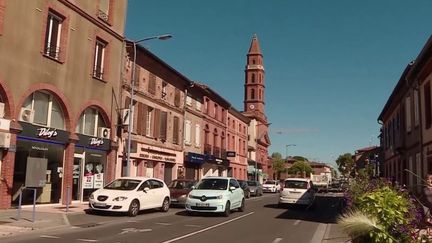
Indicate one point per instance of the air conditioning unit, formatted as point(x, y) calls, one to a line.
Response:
point(26, 115)
point(104, 132)
point(2, 107)
point(4, 140)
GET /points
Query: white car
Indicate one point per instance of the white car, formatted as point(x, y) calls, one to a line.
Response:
point(297, 191)
point(131, 194)
point(271, 186)
point(216, 194)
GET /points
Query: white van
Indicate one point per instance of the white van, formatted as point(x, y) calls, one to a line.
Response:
point(297, 191)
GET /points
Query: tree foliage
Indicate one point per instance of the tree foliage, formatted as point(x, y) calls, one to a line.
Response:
point(278, 163)
point(300, 158)
point(300, 167)
point(346, 164)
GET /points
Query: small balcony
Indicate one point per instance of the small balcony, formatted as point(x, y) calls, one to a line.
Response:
point(207, 149)
point(216, 152)
point(223, 153)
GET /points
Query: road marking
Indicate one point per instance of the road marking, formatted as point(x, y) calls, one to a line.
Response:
point(297, 222)
point(87, 240)
point(132, 221)
point(133, 230)
point(166, 224)
point(277, 240)
point(193, 225)
point(319, 233)
point(208, 228)
point(49, 236)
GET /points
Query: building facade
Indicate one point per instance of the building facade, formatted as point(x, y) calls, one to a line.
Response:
point(57, 136)
point(237, 125)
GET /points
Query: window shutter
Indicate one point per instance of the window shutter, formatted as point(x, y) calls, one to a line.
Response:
point(137, 76)
point(176, 130)
point(140, 118)
point(187, 132)
point(163, 125)
point(143, 112)
point(156, 124)
point(152, 84)
point(197, 135)
point(177, 98)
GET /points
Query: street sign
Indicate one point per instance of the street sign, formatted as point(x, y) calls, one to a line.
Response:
point(231, 154)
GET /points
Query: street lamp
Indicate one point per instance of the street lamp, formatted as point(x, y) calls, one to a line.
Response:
point(131, 109)
point(286, 149)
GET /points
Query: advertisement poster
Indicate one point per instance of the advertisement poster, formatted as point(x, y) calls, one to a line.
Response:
point(88, 182)
point(98, 176)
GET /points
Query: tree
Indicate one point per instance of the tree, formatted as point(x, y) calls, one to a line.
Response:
point(346, 164)
point(300, 158)
point(278, 164)
point(300, 167)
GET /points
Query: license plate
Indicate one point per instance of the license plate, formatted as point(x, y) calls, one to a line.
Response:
point(202, 204)
point(97, 204)
point(174, 200)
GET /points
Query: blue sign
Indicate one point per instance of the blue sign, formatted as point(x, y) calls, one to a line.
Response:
point(195, 158)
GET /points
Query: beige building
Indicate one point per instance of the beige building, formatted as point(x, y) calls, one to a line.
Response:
point(60, 65)
point(237, 137)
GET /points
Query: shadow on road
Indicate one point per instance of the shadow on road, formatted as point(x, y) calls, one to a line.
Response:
point(325, 210)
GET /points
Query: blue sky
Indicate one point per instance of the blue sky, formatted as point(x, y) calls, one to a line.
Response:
point(330, 65)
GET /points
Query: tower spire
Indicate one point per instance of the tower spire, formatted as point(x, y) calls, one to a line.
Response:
point(254, 47)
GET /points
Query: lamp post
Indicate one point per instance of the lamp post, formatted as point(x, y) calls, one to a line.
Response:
point(131, 109)
point(286, 149)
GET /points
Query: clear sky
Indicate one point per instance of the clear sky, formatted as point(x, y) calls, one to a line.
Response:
point(330, 65)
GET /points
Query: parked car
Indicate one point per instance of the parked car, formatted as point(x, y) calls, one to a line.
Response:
point(297, 191)
point(179, 189)
point(216, 194)
point(131, 194)
point(246, 190)
point(271, 186)
point(255, 188)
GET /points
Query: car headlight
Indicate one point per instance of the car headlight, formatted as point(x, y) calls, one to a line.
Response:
point(121, 198)
point(219, 197)
point(91, 196)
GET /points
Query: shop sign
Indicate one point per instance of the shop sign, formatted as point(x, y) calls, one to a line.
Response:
point(47, 133)
point(231, 154)
point(96, 142)
point(93, 142)
point(158, 157)
point(195, 158)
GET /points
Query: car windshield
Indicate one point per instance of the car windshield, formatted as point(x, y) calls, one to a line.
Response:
point(213, 184)
point(270, 182)
point(123, 184)
point(181, 184)
point(252, 183)
point(296, 184)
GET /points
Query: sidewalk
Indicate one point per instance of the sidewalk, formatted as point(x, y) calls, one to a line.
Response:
point(46, 217)
point(334, 234)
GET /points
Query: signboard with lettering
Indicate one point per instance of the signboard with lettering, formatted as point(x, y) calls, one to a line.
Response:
point(195, 158)
point(45, 133)
point(158, 156)
point(93, 142)
point(230, 153)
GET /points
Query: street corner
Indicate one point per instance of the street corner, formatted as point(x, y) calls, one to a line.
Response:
point(7, 231)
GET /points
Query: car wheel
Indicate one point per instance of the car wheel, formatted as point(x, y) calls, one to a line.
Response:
point(165, 205)
point(243, 206)
point(133, 208)
point(227, 209)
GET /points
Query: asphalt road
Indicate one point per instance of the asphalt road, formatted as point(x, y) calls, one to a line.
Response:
point(263, 221)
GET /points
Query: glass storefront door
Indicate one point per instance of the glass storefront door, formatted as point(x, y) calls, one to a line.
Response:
point(77, 177)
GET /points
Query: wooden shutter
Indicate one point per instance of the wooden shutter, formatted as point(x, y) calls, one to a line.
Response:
point(156, 124)
point(177, 98)
point(152, 84)
point(176, 130)
point(137, 76)
point(143, 111)
point(163, 125)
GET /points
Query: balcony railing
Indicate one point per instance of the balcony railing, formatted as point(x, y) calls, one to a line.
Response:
point(216, 151)
point(223, 153)
point(207, 149)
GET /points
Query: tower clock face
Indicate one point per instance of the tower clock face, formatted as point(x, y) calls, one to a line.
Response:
point(252, 107)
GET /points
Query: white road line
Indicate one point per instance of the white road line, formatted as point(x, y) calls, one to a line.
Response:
point(277, 240)
point(132, 221)
point(319, 233)
point(297, 222)
point(166, 224)
point(208, 228)
point(49, 236)
point(87, 240)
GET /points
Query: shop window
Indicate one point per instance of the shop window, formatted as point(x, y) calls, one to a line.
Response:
point(43, 109)
point(90, 123)
point(53, 35)
point(99, 60)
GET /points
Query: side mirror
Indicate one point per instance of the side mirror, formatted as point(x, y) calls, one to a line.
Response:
point(146, 189)
point(193, 187)
point(232, 188)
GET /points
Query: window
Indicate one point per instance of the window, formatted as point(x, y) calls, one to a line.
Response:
point(43, 109)
point(253, 78)
point(163, 126)
point(98, 69)
point(418, 168)
point(197, 135)
point(215, 111)
point(177, 98)
point(428, 100)
point(164, 90)
point(176, 130)
point(89, 122)
point(152, 84)
point(416, 108)
point(149, 122)
point(189, 101)
point(408, 113)
point(53, 35)
point(206, 106)
point(141, 124)
point(198, 105)
point(252, 94)
point(188, 132)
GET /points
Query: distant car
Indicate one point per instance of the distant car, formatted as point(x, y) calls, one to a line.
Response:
point(179, 189)
point(244, 185)
point(131, 194)
point(297, 191)
point(216, 194)
point(255, 188)
point(271, 186)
